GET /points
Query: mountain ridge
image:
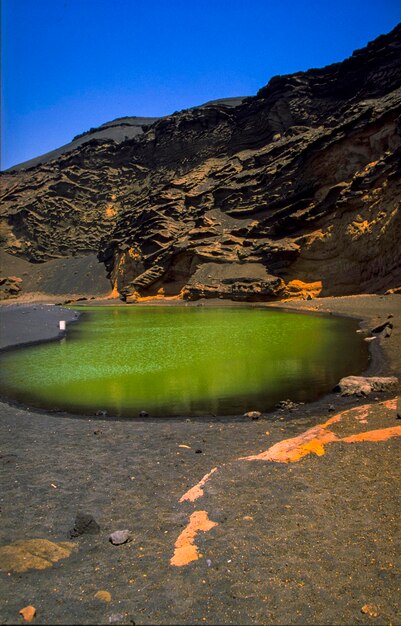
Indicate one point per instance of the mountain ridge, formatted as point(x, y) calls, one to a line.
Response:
point(294, 192)
point(135, 123)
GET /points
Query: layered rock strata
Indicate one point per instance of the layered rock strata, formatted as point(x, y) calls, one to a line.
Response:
point(294, 192)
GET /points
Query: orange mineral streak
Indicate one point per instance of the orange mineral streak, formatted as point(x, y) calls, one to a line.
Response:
point(381, 434)
point(311, 441)
point(196, 492)
point(391, 404)
point(134, 254)
point(296, 289)
point(293, 450)
point(114, 293)
point(158, 296)
point(361, 413)
point(110, 212)
point(185, 549)
point(314, 439)
point(367, 168)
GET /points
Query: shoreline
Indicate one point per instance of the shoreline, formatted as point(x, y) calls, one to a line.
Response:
point(24, 325)
point(307, 541)
point(43, 321)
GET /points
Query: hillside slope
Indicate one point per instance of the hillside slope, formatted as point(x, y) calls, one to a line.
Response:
point(293, 192)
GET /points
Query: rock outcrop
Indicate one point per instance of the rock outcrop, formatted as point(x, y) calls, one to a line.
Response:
point(10, 287)
point(364, 385)
point(294, 192)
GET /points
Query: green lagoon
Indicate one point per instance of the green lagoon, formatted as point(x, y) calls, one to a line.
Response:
point(184, 361)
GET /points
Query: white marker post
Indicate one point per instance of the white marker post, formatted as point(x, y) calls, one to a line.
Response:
point(61, 324)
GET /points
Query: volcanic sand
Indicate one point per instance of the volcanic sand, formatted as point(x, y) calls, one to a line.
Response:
point(304, 534)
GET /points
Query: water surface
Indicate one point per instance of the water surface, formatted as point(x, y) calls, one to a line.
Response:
point(176, 361)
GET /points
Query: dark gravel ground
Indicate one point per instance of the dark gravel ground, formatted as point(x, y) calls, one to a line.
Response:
point(310, 542)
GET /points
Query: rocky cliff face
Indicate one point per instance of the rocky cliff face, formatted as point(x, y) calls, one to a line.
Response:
point(293, 192)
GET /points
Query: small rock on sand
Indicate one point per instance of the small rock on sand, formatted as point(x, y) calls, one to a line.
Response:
point(253, 414)
point(104, 596)
point(28, 613)
point(370, 609)
point(119, 537)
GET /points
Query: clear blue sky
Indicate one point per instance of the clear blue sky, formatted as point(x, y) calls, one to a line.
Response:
point(68, 65)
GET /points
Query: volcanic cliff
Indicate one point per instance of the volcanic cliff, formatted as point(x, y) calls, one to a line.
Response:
point(293, 192)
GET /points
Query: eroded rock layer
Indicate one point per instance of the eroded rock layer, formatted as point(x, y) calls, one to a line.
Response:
point(292, 193)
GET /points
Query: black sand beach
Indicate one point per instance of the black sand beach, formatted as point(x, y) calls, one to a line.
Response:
point(282, 541)
point(24, 324)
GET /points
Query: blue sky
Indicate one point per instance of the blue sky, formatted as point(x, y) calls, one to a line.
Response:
point(68, 65)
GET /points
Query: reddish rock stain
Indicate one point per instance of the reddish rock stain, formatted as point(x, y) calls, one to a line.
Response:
point(186, 550)
point(391, 404)
point(314, 439)
point(197, 490)
point(361, 413)
point(381, 434)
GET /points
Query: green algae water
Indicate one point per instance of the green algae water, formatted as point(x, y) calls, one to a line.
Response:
point(184, 361)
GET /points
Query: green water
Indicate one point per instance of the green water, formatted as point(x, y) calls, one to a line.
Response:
point(175, 361)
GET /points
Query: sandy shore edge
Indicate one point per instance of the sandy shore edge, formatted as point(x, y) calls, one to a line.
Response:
point(27, 324)
point(23, 324)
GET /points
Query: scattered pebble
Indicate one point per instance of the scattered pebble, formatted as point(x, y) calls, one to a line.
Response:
point(28, 613)
point(288, 405)
point(370, 609)
point(104, 596)
point(198, 451)
point(253, 414)
point(119, 537)
point(143, 414)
